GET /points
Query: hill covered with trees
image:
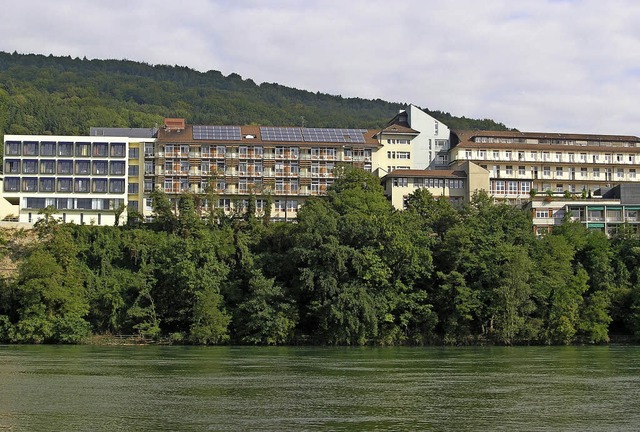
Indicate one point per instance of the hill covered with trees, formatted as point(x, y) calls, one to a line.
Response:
point(63, 95)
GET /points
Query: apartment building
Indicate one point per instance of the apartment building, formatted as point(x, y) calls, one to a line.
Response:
point(87, 179)
point(282, 165)
point(412, 140)
point(605, 210)
point(522, 162)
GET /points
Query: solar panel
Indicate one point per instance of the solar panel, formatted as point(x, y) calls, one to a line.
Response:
point(221, 133)
point(333, 135)
point(269, 133)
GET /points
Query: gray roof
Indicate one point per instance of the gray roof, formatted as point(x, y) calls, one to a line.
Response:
point(124, 132)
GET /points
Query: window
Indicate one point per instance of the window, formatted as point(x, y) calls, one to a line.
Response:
point(65, 149)
point(100, 167)
point(583, 157)
point(65, 185)
point(148, 185)
point(596, 173)
point(47, 167)
point(82, 149)
point(467, 154)
point(117, 149)
point(100, 149)
point(509, 170)
point(30, 149)
point(400, 182)
point(632, 173)
point(520, 155)
point(47, 185)
point(148, 149)
point(620, 173)
point(508, 154)
point(545, 156)
point(12, 148)
point(546, 171)
point(48, 149)
point(30, 184)
point(100, 185)
point(558, 171)
point(521, 171)
point(500, 187)
point(496, 154)
point(482, 154)
point(134, 153)
point(82, 167)
point(572, 157)
point(525, 187)
point(117, 167)
point(12, 166)
point(116, 186)
point(512, 187)
point(558, 156)
point(12, 184)
point(541, 214)
point(81, 185)
point(30, 166)
point(36, 203)
point(84, 203)
point(534, 155)
point(134, 170)
point(559, 187)
point(583, 172)
point(133, 188)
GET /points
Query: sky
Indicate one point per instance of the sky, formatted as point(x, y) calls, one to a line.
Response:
point(568, 66)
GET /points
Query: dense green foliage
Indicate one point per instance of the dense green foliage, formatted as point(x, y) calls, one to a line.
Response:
point(350, 271)
point(65, 96)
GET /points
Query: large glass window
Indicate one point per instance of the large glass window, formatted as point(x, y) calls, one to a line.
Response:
point(100, 149)
point(100, 185)
point(48, 149)
point(116, 186)
point(133, 188)
point(64, 203)
point(12, 148)
point(117, 149)
point(81, 185)
point(30, 184)
point(30, 166)
point(65, 149)
point(134, 170)
point(84, 203)
point(36, 203)
point(47, 184)
point(47, 166)
point(117, 168)
point(12, 166)
point(12, 184)
point(30, 149)
point(83, 149)
point(83, 167)
point(65, 167)
point(134, 153)
point(65, 185)
point(100, 167)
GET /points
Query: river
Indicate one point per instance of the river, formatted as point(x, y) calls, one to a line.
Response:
point(167, 388)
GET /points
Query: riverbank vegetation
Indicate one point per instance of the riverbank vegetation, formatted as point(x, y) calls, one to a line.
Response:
point(350, 271)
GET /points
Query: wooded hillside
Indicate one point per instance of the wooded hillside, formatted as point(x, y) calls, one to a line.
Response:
point(62, 95)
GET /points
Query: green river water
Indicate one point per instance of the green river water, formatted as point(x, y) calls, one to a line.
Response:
point(156, 388)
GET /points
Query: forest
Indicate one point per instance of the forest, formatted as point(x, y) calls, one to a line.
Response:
point(351, 270)
point(65, 96)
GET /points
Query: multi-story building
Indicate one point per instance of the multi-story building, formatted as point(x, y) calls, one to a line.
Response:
point(522, 162)
point(87, 179)
point(412, 140)
point(282, 165)
point(604, 210)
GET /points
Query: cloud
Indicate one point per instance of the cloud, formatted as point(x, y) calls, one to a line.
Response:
point(562, 66)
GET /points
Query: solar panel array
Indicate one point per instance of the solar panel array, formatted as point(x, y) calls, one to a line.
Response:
point(280, 133)
point(285, 134)
point(333, 135)
point(222, 133)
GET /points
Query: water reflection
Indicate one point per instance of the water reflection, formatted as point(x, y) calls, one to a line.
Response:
point(346, 389)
